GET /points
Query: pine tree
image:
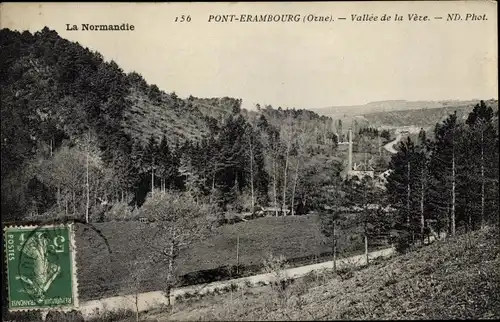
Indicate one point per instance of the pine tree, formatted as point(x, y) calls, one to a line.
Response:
point(403, 186)
point(481, 159)
point(445, 168)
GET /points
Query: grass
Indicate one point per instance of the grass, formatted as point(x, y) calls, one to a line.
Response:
point(104, 271)
point(451, 279)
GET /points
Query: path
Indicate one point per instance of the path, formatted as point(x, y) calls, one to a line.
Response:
point(390, 146)
point(150, 300)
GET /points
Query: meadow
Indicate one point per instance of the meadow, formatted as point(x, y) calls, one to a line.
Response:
point(109, 254)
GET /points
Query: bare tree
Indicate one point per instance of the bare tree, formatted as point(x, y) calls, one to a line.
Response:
point(287, 136)
point(302, 143)
point(272, 144)
point(251, 155)
point(180, 220)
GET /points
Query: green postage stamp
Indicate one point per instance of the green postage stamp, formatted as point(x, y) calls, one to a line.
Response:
point(41, 269)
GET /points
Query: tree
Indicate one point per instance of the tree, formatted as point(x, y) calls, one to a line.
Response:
point(386, 135)
point(402, 185)
point(330, 208)
point(481, 136)
point(366, 199)
point(180, 221)
point(271, 141)
point(150, 159)
point(287, 135)
point(423, 152)
point(444, 164)
point(302, 143)
point(167, 166)
point(251, 156)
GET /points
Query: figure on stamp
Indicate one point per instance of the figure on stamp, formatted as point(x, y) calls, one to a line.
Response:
point(44, 272)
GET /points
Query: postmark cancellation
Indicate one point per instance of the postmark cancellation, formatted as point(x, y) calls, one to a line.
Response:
point(41, 267)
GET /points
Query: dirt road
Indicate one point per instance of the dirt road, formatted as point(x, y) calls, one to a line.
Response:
point(390, 146)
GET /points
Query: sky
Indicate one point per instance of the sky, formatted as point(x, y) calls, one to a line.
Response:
point(301, 65)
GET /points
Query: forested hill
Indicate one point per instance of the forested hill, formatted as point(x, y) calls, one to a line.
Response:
point(59, 97)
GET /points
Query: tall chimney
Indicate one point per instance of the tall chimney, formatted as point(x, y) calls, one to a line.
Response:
point(349, 165)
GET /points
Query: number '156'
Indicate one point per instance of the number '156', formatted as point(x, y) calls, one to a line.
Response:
point(183, 18)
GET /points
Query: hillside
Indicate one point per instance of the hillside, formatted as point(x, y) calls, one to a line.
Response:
point(453, 279)
point(424, 117)
point(61, 101)
point(63, 78)
point(388, 106)
point(393, 114)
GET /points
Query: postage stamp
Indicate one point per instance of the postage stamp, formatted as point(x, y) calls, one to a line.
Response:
point(41, 268)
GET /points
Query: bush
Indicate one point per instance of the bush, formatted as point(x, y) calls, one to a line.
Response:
point(119, 211)
point(402, 242)
point(21, 316)
point(345, 273)
point(276, 265)
point(112, 316)
point(65, 317)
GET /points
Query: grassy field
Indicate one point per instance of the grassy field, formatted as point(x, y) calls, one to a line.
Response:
point(105, 259)
point(453, 279)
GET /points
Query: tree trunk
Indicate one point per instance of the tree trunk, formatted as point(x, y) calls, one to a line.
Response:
point(152, 178)
point(74, 202)
point(274, 187)
point(408, 196)
point(137, 306)
point(366, 249)
point(453, 197)
point(251, 175)
point(238, 255)
point(87, 206)
point(170, 271)
point(59, 197)
point(422, 199)
point(482, 181)
point(213, 186)
point(334, 248)
point(295, 187)
point(285, 174)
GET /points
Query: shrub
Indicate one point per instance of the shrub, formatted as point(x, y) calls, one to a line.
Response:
point(72, 316)
point(345, 273)
point(390, 279)
point(276, 265)
point(21, 316)
point(111, 316)
point(402, 242)
point(119, 211)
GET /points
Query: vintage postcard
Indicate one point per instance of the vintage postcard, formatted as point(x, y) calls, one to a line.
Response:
point(250, 160)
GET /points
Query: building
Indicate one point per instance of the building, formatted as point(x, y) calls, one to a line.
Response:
point(352, 169)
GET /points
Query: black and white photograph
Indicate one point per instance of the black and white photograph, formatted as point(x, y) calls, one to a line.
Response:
point(257, 161)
